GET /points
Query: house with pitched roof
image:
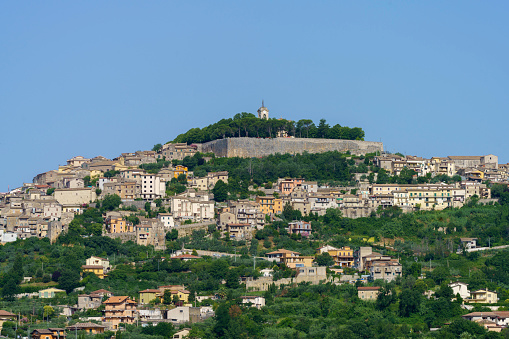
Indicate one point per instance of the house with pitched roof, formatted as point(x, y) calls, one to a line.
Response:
point(49, 293)
point(48, 333)
point(93, 260)
point(6, 316)
point(119, 310)
point(290, 258)
point(89, 328)
point(148, 295)
point(460, 288)
point(492, 321)
point(368, 292)
point(483, 296)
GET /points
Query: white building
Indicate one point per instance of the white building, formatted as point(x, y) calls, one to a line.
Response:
point(267, 272)
point(73, 199)
point(149, 315)
point(181, 334)
point(469, 243)
point(263, 112)
point(167, 219)
point(7, 236)
point(253, 301)
point(320, 203)
point(101, 181)
point(192, 208)
point(460, 288)
point(98, 261)
point(152, 187)
point(52, 211)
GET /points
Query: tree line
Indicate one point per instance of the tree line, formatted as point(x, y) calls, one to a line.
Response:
point(247, 125)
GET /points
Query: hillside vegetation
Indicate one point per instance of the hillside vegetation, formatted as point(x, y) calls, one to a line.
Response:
point(247, 125)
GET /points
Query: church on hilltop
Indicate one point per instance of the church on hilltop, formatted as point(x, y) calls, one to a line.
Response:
point(263, 112)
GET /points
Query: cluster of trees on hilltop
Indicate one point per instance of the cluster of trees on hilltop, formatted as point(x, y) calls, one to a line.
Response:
point(247, 125)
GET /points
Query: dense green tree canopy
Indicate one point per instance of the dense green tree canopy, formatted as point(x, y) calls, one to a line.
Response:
point(220, 191)
point(247, 125)
point(111, 202)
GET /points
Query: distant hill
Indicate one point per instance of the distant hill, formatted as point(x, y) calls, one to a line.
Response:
point(248, 125)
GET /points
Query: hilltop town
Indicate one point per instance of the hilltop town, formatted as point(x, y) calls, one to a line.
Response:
point(214, 239)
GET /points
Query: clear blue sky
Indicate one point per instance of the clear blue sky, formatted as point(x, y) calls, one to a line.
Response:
point(104, 77)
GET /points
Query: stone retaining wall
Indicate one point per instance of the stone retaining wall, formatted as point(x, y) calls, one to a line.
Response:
point(258, 147)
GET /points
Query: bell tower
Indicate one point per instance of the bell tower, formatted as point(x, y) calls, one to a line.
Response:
point(263, 112)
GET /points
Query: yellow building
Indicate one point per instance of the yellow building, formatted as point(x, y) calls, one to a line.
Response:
point(88, 328)
point(65, 169)
point(98, 270)
point(368, 292)
point(119, 167)
point(483, 297)
point(476, 174)
point(119, 161)
point(178, 290)
point(118, 225)
point(278, 206)
point(48, 333)
point(95, 173)
point(270, 205)
point(342, 256)
point(49, 293)
point(6, 316)
point(183, 295)
point(299, 261)
point(148, 295)
point(428, 197)
point(179, 169)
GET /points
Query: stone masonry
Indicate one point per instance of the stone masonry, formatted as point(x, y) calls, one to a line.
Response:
point(257, 147)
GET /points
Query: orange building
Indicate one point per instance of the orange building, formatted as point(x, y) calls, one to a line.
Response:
point(287, 186)
point(119, 310)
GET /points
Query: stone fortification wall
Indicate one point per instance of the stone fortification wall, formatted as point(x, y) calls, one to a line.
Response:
point(263, 283)
point(256, 147)
point(124, 237)
point(187, 230)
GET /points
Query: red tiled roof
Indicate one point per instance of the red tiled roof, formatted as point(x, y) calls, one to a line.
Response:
point(368, 288)
point(185, 256)
point(150, 291)
point(283, 251)
point(116, 300)
point(80, 326)
point(6, 314)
